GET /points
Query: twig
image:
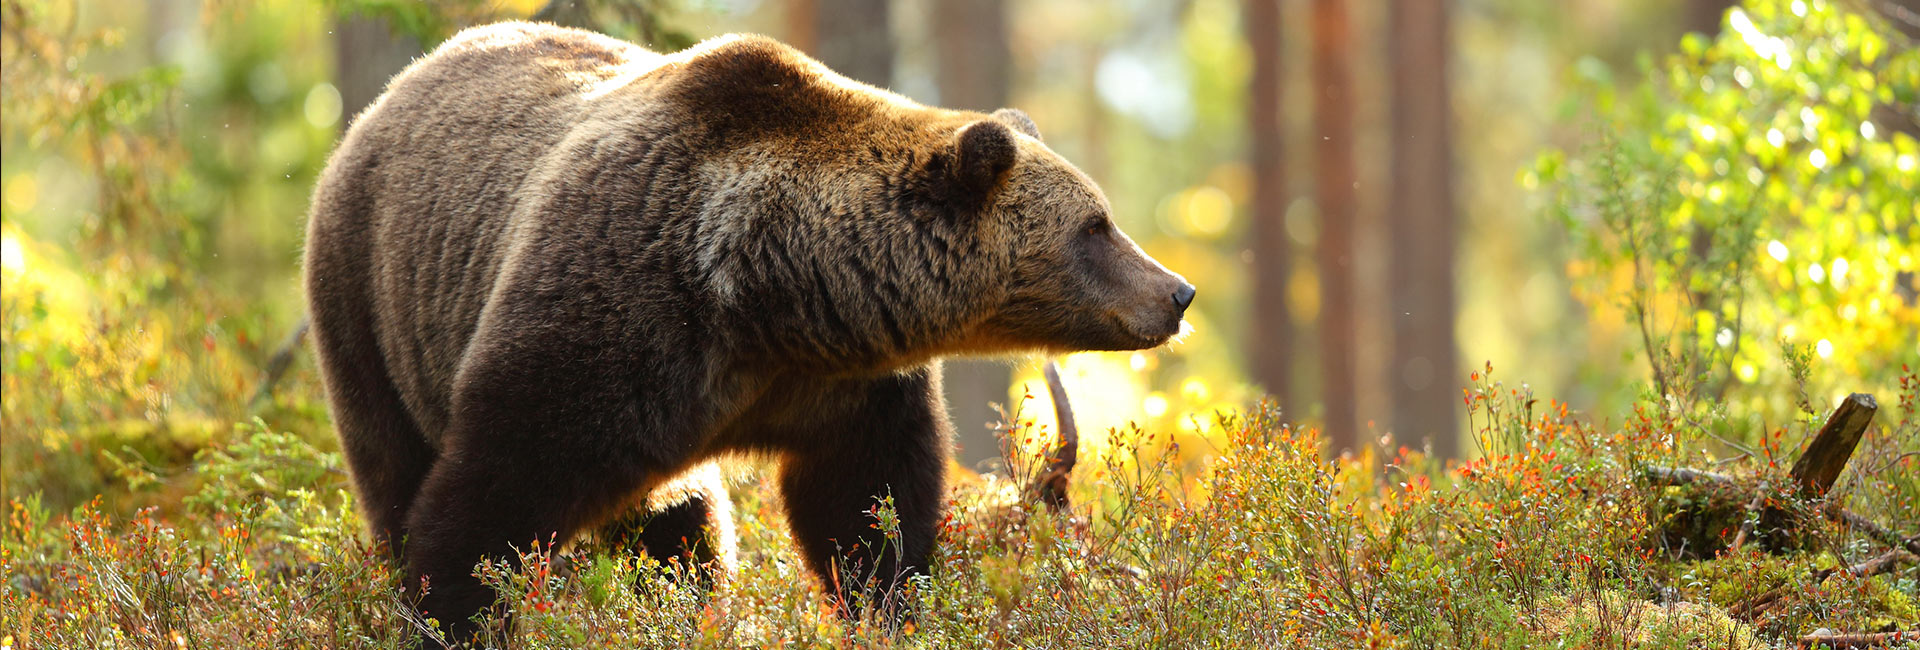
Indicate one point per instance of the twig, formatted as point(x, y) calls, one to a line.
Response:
point(1893, 461)
point(277, 365)
point(1753, 517)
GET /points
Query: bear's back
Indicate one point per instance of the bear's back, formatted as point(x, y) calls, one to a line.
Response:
point(429, 177)
point(575, 150)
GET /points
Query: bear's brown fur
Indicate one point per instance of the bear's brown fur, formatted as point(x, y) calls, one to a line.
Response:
point(550, 271)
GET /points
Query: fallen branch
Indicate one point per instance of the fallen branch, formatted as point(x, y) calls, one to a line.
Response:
point(1832, 509)
point(1050, 485)
point(1753, 517)
point(1873, 640)
point(1684, 476)
point(1882, 563)
point(1873, 531)
point(1885, 562)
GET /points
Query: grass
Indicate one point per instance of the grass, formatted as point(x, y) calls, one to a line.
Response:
point(1546, 539)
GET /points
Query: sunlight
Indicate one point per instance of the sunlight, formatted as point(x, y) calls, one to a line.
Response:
point(1777, 250)
point(11, 260)
point(322, 106)
point(1763, 45)
point(1155, 404)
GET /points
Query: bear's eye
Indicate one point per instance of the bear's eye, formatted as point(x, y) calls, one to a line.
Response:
point(1097, 225)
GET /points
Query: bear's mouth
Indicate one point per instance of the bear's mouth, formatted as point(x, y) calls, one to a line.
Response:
point(1169, 333)
point(1178, 334)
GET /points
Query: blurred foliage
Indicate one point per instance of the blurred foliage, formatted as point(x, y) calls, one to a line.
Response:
point(1753, 208)
point(142, 285)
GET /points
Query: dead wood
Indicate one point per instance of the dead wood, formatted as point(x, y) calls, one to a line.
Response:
point(1873, 531)
point(1050, 485)
point(1684, 476)
point(1820, 465)
point(1760, 508)
point(1870, 640)
point(1753, 517)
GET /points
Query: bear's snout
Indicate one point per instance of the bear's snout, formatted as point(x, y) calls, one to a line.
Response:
point(1183, 296)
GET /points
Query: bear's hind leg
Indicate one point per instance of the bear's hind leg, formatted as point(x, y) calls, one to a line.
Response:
point(894, 445)
point(689, 519)
point(386, 453)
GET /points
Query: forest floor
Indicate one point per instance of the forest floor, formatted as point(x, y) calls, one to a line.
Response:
point(1558, 534)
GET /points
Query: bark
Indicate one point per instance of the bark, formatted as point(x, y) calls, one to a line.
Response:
point(1706, 16)
point(1421, 231)
point(974, 68)
point(1333, 111)
point(1271, 339)
point(1820, 465)
point(854, 39)
point(801, 30)
point(366, 54)
point(975, 64)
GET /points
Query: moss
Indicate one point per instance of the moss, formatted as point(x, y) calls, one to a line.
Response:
point(1615, 616)
point(1700, 521)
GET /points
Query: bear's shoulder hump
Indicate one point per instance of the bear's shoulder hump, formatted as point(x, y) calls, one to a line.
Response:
point(748, 61)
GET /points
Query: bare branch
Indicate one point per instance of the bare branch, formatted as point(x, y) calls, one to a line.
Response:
point(1050, 486)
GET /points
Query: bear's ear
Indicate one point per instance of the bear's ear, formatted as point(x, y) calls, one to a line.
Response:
point(1017, 119)
point(984, 151)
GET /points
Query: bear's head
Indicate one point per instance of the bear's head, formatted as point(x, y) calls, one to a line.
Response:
point(1075, 282)
point(854, 227)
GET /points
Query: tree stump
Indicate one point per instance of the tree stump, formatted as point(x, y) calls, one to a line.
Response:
point(1820, 465)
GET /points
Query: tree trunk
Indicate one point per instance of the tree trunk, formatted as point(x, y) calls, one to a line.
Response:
point(975, 64)
point(1333, 159)
point(366, 54)
point(1705, 16)
point(1421, 231)
point(1271, 337)
point(853, 38)
point(800, 19)
point(974, 70)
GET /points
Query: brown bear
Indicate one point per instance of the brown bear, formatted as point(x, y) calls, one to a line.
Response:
point(551, 272)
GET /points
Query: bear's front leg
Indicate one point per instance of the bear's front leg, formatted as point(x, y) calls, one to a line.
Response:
point(893, 443)
point(493, 505)
point(539, 447)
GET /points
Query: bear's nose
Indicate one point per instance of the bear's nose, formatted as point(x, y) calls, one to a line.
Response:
point(1183, 296)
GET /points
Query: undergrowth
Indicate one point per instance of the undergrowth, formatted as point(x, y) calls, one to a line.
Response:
point(1546, 540)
